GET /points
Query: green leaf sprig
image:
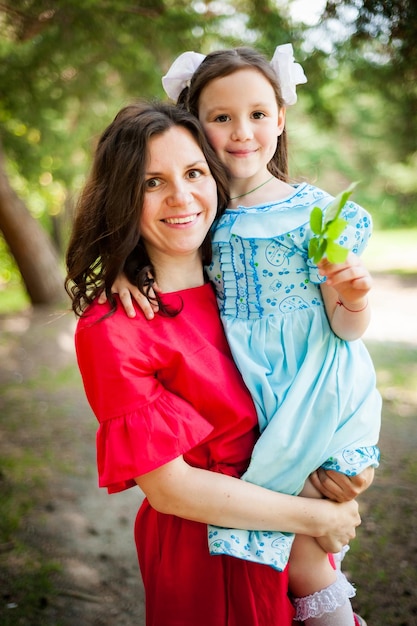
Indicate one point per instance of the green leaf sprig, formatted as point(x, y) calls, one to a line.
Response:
point(327, 228)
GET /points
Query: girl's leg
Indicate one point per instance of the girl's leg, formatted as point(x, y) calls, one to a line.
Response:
point(320, 593)
point(309, 567)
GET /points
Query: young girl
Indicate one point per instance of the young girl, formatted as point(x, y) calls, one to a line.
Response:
point(293, 327)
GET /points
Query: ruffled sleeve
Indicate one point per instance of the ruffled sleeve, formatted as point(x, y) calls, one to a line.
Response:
point(359, 229)
point(142, 424)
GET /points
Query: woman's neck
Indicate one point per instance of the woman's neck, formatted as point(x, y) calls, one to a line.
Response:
point(177, 274)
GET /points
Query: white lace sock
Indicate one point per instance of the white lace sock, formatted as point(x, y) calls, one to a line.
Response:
point(342, 616)
point(327, 607)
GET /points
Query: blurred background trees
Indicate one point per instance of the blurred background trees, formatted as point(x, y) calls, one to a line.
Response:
point(67, 67)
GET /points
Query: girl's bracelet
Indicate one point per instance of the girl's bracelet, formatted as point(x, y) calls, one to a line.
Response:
point(340, 303)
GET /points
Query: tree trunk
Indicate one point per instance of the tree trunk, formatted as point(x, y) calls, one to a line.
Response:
point(32, 249)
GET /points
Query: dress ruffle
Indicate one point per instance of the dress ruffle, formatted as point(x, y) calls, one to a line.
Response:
point(138, 442)
point(265, 547)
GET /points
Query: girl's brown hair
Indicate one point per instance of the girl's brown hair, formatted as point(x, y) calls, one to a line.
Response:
point(222, 63)
point(105, 239)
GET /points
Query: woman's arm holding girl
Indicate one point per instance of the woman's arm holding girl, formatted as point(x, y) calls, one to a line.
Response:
point(179, 489)
point(353, 282)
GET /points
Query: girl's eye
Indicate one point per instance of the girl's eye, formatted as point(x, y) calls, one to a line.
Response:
point(222, 118)
point(258, 115)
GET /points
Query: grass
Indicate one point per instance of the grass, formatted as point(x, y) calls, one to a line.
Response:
point(25, 574)
point(401, 237)
point(34, 412)
point(382, 558)
point(404, 375)
point(32, 591)
point(392, 250)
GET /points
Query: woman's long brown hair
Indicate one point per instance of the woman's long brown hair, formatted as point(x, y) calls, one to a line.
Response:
point(105, 239)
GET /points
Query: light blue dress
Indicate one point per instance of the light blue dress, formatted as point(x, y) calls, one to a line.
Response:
point(315, 393)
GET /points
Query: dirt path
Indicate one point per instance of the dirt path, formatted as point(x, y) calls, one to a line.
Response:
point(89, 533)
point(75, 524)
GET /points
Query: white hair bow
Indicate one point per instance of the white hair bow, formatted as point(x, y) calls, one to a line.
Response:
point(288, 72)
point(181, 72)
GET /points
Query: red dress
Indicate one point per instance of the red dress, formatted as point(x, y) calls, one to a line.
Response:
point(161, 389)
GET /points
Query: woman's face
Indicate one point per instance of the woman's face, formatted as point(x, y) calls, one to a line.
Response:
point(180, 200)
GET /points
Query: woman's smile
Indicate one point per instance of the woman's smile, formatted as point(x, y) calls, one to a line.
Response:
point(181, 220)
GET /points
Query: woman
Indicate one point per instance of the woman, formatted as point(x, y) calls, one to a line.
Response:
point(175, 417)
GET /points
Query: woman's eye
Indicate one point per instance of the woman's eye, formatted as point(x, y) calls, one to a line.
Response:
point(258, 115)
point(222, 118)
point(152, 183)
point(194, 174)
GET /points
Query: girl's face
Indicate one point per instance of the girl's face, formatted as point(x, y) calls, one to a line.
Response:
point(180, 199)
point(240, 116)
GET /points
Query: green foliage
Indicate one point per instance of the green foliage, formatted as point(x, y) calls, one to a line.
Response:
point(356, 149)
point(327, 227)
point(66, 68)
point(13, 296)
point(364, 93)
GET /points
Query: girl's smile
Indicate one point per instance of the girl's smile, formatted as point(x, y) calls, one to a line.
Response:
point(242, 153)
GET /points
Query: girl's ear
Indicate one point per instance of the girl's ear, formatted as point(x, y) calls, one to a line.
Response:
point(281, 121)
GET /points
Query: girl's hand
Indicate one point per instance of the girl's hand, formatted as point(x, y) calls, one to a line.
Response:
point(339, 487)
point(350, 279)
point(127, 293)
point(345, 296)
